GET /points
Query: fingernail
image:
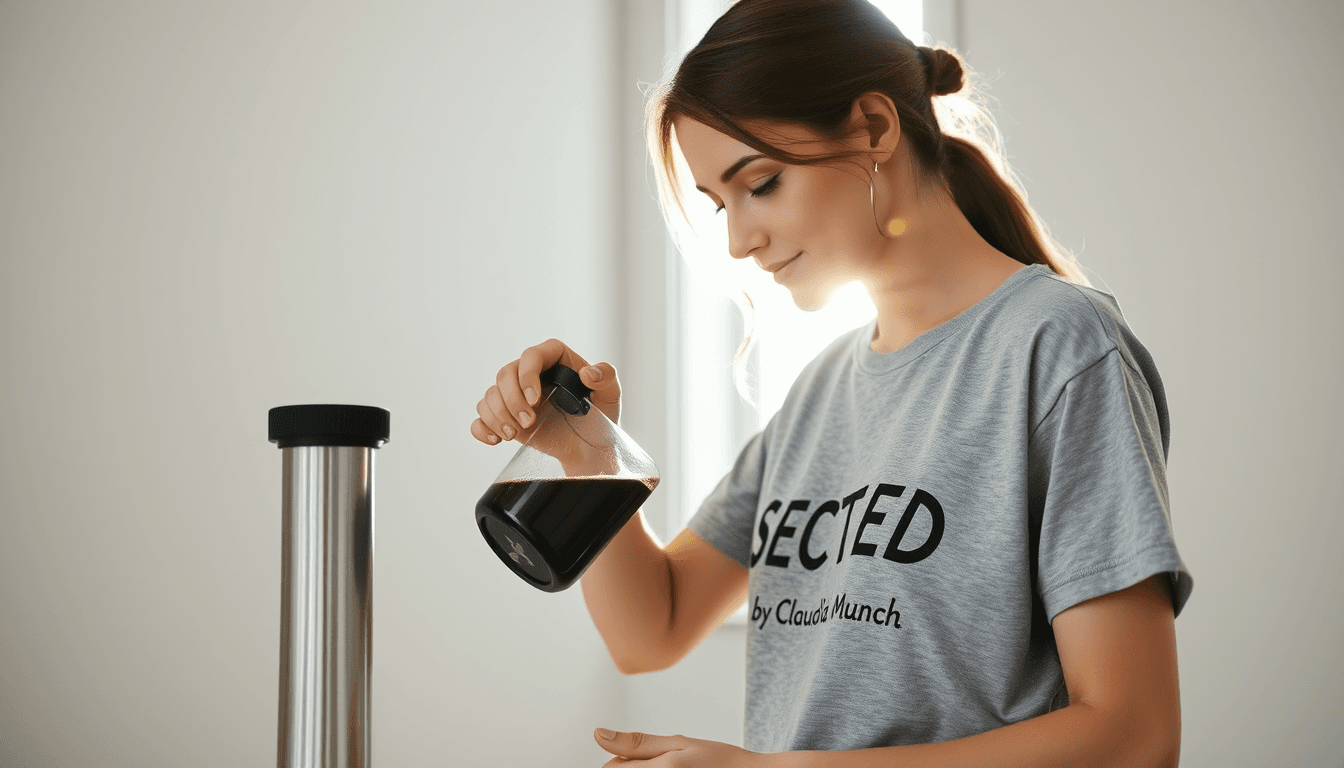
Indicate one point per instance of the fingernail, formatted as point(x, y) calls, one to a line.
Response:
point(524, 418)
point(491, 439)
point(606, 734)
point(531, 396)
point(593, 373)
point(508, 431)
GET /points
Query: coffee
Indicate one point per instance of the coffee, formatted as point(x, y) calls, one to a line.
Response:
point(549, 531)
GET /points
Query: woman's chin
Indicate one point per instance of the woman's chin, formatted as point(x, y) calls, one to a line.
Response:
point(811, 295)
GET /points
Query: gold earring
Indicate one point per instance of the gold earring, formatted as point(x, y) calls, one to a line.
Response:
point(896, 227)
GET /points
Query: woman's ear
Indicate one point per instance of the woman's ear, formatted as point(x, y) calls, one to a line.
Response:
point(875, 116)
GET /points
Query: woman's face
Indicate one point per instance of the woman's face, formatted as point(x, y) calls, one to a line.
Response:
point(816, 219)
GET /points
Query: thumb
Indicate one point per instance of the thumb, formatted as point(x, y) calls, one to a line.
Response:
point(598, 375)
point(606, 388)
point(635, 744)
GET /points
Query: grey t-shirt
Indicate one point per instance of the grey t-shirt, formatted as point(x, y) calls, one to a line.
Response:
point(913, 521)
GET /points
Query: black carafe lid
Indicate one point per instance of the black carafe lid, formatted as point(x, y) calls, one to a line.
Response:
point(570, 395)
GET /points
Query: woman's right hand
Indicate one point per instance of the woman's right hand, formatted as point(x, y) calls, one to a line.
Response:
point(507, 412)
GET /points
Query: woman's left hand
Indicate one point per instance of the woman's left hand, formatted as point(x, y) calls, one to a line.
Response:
point(675, 752)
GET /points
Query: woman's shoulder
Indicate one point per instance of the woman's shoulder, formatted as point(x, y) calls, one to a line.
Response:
point(1069, 324)
point(1063, 328)
point(1055, 299)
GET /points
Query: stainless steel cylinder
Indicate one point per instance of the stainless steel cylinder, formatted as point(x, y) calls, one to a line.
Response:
point(326, 593)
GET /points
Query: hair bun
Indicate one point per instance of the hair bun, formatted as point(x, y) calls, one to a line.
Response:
point(944, 69)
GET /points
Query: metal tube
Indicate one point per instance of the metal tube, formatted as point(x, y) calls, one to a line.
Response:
point(326, 609)
point(326, 592)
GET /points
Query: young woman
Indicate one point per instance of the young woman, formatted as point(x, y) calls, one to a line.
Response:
point(954, 536)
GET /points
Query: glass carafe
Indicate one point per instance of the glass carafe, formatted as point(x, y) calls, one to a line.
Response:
point(573, 484)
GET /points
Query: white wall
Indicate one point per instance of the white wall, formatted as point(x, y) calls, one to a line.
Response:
point(211, 209)
point(208, 211)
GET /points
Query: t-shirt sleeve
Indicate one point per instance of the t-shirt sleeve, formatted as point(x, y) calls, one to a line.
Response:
point(1098, 489)
point(726, 515)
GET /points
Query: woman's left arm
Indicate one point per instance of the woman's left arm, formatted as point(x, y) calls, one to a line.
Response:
point(1118, 653)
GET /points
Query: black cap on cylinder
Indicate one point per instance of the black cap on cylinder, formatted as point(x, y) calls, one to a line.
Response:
point(354, 425)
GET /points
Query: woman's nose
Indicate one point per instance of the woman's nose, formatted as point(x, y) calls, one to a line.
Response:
point(744, 237)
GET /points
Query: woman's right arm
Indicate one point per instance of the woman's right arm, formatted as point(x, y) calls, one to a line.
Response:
point(628, 590)
point(651, 605)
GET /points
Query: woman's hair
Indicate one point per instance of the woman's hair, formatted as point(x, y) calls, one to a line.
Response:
point(805, 62)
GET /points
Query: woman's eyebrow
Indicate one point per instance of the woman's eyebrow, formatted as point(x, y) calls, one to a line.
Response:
point(732, 170)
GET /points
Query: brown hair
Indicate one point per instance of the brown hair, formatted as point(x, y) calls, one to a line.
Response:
point(805, 62)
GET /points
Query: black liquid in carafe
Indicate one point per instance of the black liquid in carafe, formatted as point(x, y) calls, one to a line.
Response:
point(549, 531)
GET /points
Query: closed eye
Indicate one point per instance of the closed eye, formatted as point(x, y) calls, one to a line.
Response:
point(763, 190)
